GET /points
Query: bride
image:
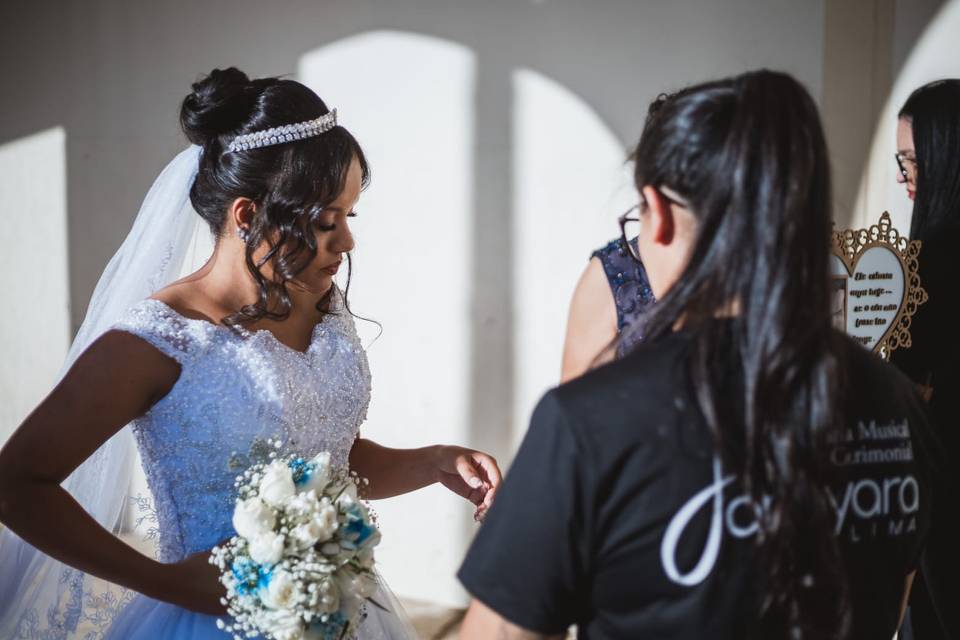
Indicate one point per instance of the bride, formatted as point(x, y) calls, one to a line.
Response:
point(258, 344)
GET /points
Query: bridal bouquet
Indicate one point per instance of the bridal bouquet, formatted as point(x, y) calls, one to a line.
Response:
point(301, 565)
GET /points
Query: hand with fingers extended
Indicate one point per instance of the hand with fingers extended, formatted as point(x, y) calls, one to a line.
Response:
point(471, 474)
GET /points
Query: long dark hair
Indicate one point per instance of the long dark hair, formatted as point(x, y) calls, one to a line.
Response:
point(934, 114)
point(290, 183)
point(748, 154)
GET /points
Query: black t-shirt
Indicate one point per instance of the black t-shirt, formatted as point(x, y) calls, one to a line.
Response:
point(932, 361)
point(617, 516)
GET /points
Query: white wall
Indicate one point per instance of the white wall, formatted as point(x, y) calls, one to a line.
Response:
point(935, 56)
point(416, 287)
point(571, 183)
point(35, 323)
point(912, 19)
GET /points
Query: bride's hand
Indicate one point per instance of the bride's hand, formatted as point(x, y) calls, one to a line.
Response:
point(471, 474)
point(197, 585)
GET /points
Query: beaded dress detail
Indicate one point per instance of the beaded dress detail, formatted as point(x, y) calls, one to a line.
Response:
point(236, 390)
point(630, 288)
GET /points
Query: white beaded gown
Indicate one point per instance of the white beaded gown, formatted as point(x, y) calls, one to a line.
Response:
point(234, 392)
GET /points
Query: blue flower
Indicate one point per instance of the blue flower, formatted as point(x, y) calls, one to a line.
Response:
point(247, 573)
point(263, 579)
point(301, 470)
point(250, 576)
point(357, 530)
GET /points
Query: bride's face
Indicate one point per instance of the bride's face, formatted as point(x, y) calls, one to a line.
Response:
point(333, 236)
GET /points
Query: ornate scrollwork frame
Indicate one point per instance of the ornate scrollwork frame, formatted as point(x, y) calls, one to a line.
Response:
point(849, 244)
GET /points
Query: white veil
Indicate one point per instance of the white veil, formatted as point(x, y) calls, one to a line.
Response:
point(41, 598)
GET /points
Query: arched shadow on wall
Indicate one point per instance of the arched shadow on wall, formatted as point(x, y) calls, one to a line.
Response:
point(935, 56)
point(487, 183)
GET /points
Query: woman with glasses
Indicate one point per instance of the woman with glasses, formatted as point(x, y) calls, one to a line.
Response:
point(928, 158)
point(747, 470)
point(906, 159)
point(610, 297)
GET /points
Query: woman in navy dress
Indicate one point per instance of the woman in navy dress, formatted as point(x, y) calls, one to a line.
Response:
point(611, 296)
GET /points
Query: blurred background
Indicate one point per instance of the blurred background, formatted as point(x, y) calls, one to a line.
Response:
point(497, 132)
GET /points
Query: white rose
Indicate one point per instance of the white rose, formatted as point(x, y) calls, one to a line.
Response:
point(362, 585)
point(366, 558)
point(252, 517)
point(355, 588)
point(329, 596)
point(284, 625)
point(373, 540)
point(267, 548)
point(305, 535)
point(327, 520)
point(349, 494)
point(281, 591)
point(320, 476)
point(304, 504)
point(319, 528)
point(277, 484)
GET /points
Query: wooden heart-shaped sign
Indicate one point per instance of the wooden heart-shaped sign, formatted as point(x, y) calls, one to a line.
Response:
point(869, 293)
point(875, 289)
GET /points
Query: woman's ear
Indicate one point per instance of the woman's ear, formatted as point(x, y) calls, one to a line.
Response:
point(660, 222)
point(241, 212)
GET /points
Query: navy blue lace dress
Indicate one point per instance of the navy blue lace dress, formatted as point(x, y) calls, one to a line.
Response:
point(630, 287)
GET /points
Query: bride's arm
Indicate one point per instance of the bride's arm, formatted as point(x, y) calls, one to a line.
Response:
point(391, 472)
point(117, 379)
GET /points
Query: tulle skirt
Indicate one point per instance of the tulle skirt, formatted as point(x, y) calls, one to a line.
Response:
point(148, 619)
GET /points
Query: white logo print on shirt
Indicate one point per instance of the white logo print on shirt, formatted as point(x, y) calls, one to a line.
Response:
point(864, 499)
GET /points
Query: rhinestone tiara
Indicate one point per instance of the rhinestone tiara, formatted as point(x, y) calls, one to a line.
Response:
point(283, 133)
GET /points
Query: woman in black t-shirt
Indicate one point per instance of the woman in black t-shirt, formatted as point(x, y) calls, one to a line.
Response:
point(928, 154)
point(746, 471)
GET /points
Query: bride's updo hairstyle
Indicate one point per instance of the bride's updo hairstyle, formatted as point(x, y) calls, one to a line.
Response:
point(290, 183)
point(748, 155)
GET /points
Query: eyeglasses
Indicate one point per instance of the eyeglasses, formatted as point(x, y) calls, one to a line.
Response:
point(630, 230)
point(903, 162)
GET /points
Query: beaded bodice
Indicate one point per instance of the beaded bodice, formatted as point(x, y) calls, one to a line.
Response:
point(235, 391)
point(629, 286)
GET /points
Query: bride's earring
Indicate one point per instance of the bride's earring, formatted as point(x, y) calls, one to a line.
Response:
point(243, 234)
